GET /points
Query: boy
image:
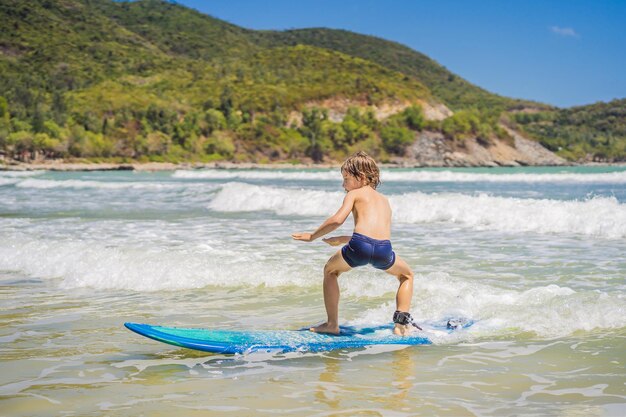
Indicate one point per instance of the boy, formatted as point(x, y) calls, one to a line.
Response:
point(369, 243)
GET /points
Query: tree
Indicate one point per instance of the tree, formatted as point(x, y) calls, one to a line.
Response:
point(396, 139)
point(44, 143)
point(460, 124)
point(4, 109)
point(312, 120)
point(414, 117)
point(20, 143)
point(38, 119)
point(226, 101)
point(58, 108)
point(293, 143)
point(220, 144)
point(5, 121)
point(215, 120)
point(158, 143)
point(52, 129)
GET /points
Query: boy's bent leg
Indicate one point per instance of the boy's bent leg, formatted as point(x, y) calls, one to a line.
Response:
point(333, 268)
point(401, 270)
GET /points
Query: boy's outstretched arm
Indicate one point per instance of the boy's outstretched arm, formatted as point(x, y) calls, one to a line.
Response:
point(330, 223)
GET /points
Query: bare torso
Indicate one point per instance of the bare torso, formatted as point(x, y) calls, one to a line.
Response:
point(372, 214)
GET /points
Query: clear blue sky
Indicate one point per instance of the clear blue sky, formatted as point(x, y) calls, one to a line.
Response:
point(561, 52)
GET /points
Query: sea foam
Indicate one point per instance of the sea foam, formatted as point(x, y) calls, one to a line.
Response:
point(14, 177)
point(601, 217)
point(222, 174)
point(21, 174)
point(80, 184)
point(618, 177)
point(547, 310)
point(7, 181)
point(450, 176)
point(241, 197)
point(143, 266)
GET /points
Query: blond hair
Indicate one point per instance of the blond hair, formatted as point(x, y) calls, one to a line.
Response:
point(362, 166)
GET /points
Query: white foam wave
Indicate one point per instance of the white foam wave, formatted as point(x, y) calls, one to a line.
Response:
point(82, 184)
point(548, 311)
point(240, 197)
point(144, 267)
point(223, 174)
point(7, 181)
point(601, 217)
point(16, 174)
point(618, 177)
point(13, 177)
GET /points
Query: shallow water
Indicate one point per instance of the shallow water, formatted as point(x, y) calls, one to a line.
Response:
point(534, 255)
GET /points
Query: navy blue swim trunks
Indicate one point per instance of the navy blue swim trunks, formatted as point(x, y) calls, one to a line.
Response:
point(363, 250)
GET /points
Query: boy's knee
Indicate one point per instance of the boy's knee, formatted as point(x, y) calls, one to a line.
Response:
point(408, 276)
point(330, 271)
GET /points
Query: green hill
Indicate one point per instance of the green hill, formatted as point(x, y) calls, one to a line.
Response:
point(186, 32)
point(449, 88)
point(155, 80)
point(179, 31)
point(593, 132)
point(54, 47)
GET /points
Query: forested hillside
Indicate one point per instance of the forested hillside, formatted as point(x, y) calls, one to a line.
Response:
point(153, 80)
point(593, 132)
point(454, 91)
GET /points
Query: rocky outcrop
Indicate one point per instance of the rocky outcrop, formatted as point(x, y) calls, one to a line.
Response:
point(537, 154)
point(429, 149)
point(437, 111)
point(432, 149)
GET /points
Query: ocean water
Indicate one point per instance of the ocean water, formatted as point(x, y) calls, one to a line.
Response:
point(535, 256)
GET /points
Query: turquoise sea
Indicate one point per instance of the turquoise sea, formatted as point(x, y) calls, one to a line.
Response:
point(535, 256)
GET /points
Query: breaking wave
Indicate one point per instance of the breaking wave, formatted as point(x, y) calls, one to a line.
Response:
point(599, 217)
point(618, 177)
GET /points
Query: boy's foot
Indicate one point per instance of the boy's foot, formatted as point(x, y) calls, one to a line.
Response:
point(325, 328)
point(402, 329)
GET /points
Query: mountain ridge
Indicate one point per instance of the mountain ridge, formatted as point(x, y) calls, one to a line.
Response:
point(153, 79)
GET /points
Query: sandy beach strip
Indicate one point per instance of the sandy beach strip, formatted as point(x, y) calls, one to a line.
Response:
point(60, 165)
point(153, 166)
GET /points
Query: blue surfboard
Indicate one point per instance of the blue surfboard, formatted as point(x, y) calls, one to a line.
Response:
point(244, 341)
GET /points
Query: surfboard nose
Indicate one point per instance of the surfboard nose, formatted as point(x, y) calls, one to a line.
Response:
point(136, 327)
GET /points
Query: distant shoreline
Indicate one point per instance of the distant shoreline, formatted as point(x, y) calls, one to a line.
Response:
point(153, 166)
point(168, 166)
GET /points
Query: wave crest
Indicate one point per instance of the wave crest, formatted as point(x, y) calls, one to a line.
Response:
point(602, 217)
point(617, 177)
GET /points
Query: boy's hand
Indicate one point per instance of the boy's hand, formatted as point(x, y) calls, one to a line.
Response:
point(335, 240)
point(302, 236)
